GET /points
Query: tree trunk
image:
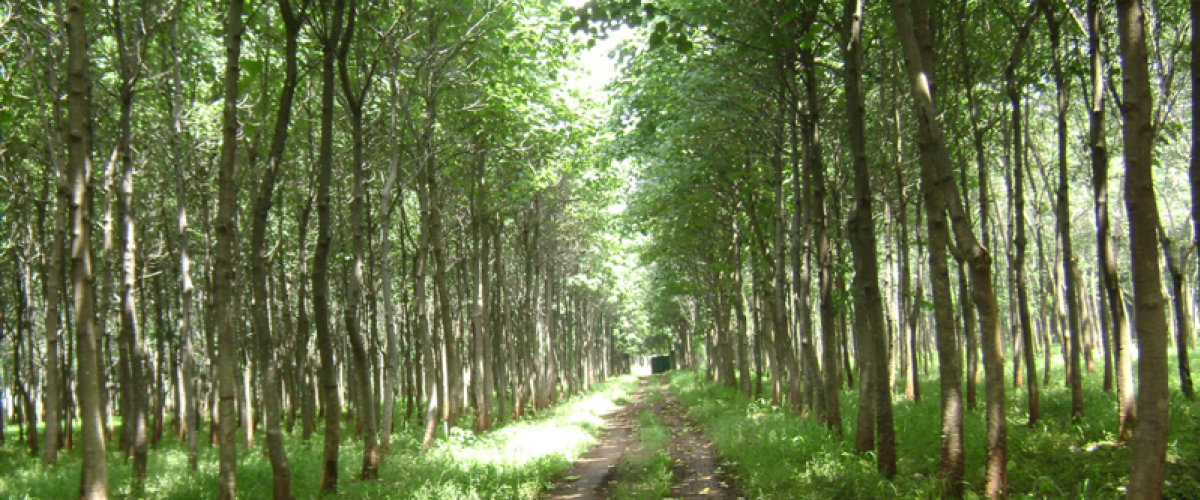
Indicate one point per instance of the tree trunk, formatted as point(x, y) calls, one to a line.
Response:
point(259, 272)
point(1013, 87)
point(739, 310)
point(134, 421)
point(814, 167)
point(937, 175)
point(93, 483)
point(308, 396)
point(1150, 441)
point(223, 270)
point(187, 385)
point(1194, 170)
point(53, 320)
point(1063, 217)
point(392, 357)
point(868, 318)
point(358, 232)
point(330, 400)
point(1183, 324)
point(420, 293)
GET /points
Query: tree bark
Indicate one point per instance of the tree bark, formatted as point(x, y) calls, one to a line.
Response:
point(53, 320)
point(868, 319)
point(1183, 324)
point(1150, 440)
point(358, 232)
point(330, 400)
point(93, 483)
point(187, 386)
point(1098, 143)
point(1063, 218)
point(223, 269)
point(134, 422)
point(937, 176)
point(1194, 171)
point(392, 357)
point(258, 266)
point(1014, 89)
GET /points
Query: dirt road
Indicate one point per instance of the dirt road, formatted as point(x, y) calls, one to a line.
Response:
point(695, 470)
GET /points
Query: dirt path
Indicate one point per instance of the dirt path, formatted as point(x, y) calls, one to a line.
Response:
point(589, 478)
point(696, 470)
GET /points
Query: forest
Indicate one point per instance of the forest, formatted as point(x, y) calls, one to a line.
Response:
point(414, 248)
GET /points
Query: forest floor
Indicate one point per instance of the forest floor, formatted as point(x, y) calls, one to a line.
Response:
point(648, 449)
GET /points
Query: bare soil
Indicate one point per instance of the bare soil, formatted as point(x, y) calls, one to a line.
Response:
point(697, 468)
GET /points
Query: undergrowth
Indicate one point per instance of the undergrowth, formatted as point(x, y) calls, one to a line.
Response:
point(516, 461)
point(777, 454)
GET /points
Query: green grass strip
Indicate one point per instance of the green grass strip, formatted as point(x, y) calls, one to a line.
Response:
point(646, 472)
point(517, 461)
point(776, 454)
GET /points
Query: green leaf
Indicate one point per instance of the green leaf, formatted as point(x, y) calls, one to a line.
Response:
point(656, 39)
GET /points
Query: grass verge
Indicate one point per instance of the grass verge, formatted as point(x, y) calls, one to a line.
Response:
point(517, 461)
point(776, 454)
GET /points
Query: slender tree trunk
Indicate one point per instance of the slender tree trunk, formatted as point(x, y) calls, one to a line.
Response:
point(23, 344)
point(223, 270)
point(259, 273)
point(739, 310)
point(358, 232)
point(421, 296)
point(937, 173)
point(392, 357)
point(188, 386)
point(1121, 340)
point(326, 344)
point(1013, 87)
point(819, 223)
point(307, 402)
point(1063, 217)
point(1194, 170)
point(869, 312)
point(93, 482)
point(1150, 440)
point(134, 421)
point(53, 320)
point(1183, 324)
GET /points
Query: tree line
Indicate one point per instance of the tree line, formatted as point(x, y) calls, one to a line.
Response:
point(238, 217)
point(837, 195)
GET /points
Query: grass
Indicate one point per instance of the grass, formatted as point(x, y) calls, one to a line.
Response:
point(776, 454)
point(516, 461)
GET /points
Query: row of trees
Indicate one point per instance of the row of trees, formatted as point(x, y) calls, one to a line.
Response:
point(197, 200)
point(773, 137)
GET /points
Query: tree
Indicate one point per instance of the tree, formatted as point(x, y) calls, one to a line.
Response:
point(224, 265)
point(362, 364)
point(280, 468)
point(937, 177)
point(188, 387)
point(1063, 216)
point(1013, 87)
point(1150, 438)
point(330, 37)
point(93, 482)
point(868, 320)
point(1122, 343)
